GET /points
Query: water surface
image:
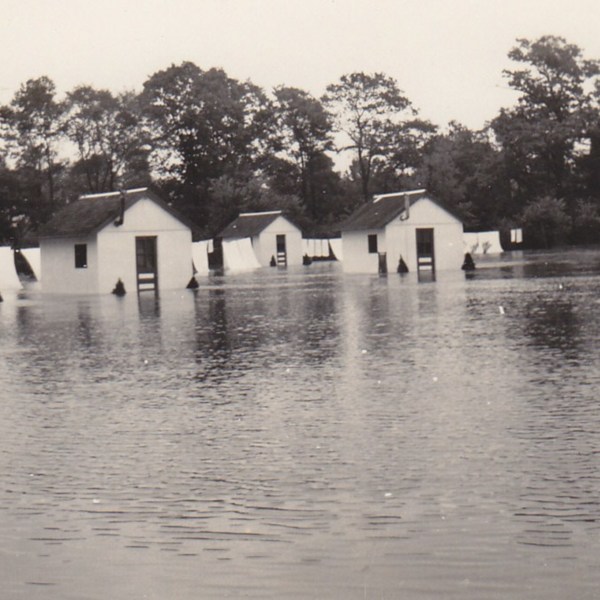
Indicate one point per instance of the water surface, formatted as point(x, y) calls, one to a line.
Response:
point(307, 434)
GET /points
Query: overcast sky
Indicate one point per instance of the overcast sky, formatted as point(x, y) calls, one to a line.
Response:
point(446, 55)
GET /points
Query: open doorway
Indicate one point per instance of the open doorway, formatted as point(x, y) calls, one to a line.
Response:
point(425, 254)
point(146, 263)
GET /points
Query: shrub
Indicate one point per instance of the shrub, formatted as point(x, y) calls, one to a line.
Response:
point(586, 222)
point(546, 223)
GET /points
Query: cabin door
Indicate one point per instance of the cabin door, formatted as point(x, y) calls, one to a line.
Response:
point(146, 263)
point(425, 254)
point(281, 250)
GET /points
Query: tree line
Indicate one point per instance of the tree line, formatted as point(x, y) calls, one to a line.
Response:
point(215, 146)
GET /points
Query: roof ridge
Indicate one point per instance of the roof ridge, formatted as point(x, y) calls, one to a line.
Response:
point(264, 212)
point(378, 197)
point(117, 193)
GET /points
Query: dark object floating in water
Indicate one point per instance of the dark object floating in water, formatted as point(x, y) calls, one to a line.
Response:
point(402, 266)
point(468, 264)
point(193, 284)
point(119, 288)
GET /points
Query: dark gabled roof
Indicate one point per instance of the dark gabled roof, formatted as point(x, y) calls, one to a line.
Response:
point(249, 224)
point(385, 208)
point(91, 213)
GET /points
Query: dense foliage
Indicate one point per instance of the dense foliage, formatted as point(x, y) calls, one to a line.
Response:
point(215, 146)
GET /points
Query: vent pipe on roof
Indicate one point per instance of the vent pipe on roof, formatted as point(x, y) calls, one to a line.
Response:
point(121, 218)
point(406, 213)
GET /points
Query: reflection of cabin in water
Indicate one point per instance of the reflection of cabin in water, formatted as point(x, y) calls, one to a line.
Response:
point(273, 236)
point(411, 226)
point(100, 238)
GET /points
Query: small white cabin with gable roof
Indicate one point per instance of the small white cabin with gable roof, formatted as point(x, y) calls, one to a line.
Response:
point(130, 235)
point(411, 227)
point(273, 236)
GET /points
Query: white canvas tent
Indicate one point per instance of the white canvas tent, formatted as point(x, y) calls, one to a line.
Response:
point(336, 248)
point(482, 242)
point(322, 248)
point(305, 247)
point(35, 261)
point(200, 256)
point(9, 280)
point(239, 256)
point(315, 247)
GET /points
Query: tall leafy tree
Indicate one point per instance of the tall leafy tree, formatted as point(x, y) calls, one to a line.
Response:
point(540, 135)
point(366, 106)
point(329, 198)
point(32, 128)
point(305, 134)
point(107, 133)
point(204, 125)
point(465, 171)
point(11, 212)
point(404, 146)
point(230, 196)
point(589, 162)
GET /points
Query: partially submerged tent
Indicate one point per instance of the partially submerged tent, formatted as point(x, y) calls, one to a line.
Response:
point(336, 248)
point(33, 257)
point(238, 255)
point(200, 256)
point(273, 237)
point(9, 280)
point(482, 242)
point(315, 247)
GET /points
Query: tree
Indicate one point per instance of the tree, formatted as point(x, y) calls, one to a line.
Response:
point(540, 135)
point(305, 134)
point(588, 163)
point(586, 222)
point(231, 196)
point(365, 107)
point(204, 125)
point(404, 147)
point(32, 128)
point(11, 214)
point(111, 145)
point(328, 196)
point(466, 172)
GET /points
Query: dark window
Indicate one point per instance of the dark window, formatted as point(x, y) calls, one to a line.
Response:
point(373, 243)
point(81, 256)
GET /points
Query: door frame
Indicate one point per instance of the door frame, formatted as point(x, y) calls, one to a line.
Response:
point(281, 249)
point(425, 244)
point(146, 248)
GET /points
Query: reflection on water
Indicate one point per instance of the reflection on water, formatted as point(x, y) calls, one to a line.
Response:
point(307, 434)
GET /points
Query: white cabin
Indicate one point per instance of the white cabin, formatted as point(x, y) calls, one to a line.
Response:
point(411, 226)
point(273, 237)
point(132, 236)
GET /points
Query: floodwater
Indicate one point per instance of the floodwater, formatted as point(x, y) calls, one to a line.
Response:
point(307, 434)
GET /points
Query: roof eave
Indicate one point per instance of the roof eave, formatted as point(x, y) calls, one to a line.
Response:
point(73, 234)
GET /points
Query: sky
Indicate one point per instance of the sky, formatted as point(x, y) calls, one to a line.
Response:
point(446, 55)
